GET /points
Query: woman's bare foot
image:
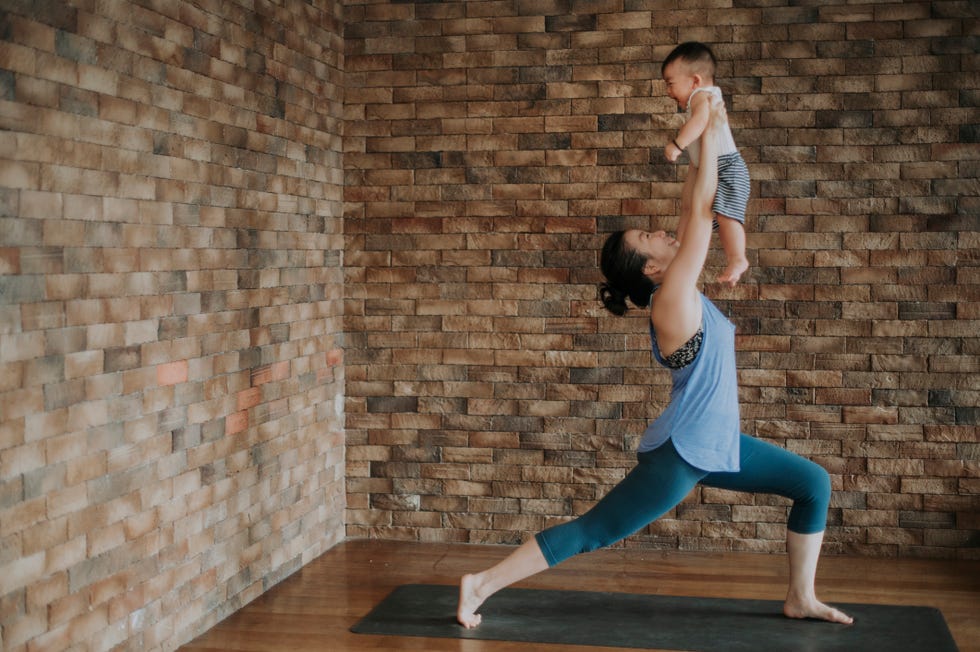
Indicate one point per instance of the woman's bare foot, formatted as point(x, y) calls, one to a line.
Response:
point(813, 608)
point(469, 602)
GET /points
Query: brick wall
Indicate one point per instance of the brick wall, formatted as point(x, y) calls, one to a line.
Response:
point(490, 146)
point(171, 440)
point(171, 376)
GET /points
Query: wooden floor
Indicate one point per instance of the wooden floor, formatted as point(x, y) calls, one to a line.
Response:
point(315, 608)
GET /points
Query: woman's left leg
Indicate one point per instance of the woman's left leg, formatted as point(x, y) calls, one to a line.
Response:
point(766, 468)
point(657, 483)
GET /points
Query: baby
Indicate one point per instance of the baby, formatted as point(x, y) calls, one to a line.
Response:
point(689, 71)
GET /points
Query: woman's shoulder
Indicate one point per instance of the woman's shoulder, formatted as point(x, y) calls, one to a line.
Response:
point(675, 316)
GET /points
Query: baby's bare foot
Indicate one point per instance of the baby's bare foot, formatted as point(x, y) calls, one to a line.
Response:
point(813, 608)
point(469, 602)
point(734, 272)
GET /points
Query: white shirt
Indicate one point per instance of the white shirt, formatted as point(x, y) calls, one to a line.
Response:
point(728, 141)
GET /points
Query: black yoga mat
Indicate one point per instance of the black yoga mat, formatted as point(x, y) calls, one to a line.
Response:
point(655, 621)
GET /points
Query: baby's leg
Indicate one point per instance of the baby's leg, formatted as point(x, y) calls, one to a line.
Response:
point(732, 235)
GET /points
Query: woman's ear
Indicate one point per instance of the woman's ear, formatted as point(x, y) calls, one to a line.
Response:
point(650, 268)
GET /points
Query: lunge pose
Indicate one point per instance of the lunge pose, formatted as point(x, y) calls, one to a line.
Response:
point(697, 437)
point(689, 71)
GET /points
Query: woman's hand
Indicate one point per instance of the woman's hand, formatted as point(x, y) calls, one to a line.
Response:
point(706, 182)
point(717, 118)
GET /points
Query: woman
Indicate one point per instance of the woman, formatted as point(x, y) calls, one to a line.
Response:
point(697, 438)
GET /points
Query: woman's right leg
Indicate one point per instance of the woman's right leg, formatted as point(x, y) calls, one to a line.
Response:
point(656, 484)
point(767, 468)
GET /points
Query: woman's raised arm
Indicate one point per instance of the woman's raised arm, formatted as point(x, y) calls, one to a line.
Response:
point(676, 309)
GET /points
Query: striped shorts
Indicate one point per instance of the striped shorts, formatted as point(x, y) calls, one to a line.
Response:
point(733, 187)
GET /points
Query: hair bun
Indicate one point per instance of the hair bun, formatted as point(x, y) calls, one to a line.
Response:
point(613, 299)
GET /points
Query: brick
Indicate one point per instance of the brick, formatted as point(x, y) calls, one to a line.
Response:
point(64, 556)
point(172, 373)
point(22, 572)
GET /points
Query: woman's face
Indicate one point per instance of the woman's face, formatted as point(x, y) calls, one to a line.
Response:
point(656, 246)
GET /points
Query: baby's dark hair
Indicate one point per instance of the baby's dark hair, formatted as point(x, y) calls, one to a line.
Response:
point(694, 54)
point(623, 269)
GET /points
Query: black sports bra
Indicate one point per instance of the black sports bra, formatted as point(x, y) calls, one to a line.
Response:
point(686, 354)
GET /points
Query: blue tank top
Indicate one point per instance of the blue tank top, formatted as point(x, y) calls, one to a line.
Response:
point(702, 418)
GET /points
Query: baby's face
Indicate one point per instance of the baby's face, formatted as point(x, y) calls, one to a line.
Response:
point(680, 82)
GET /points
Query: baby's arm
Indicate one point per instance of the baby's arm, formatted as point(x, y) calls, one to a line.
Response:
point(692, 129)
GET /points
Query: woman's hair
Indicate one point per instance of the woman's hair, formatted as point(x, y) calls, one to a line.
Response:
point(623, 269)
point(697, 55)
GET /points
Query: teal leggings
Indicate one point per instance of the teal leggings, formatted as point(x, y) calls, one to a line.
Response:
point(662, 478)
